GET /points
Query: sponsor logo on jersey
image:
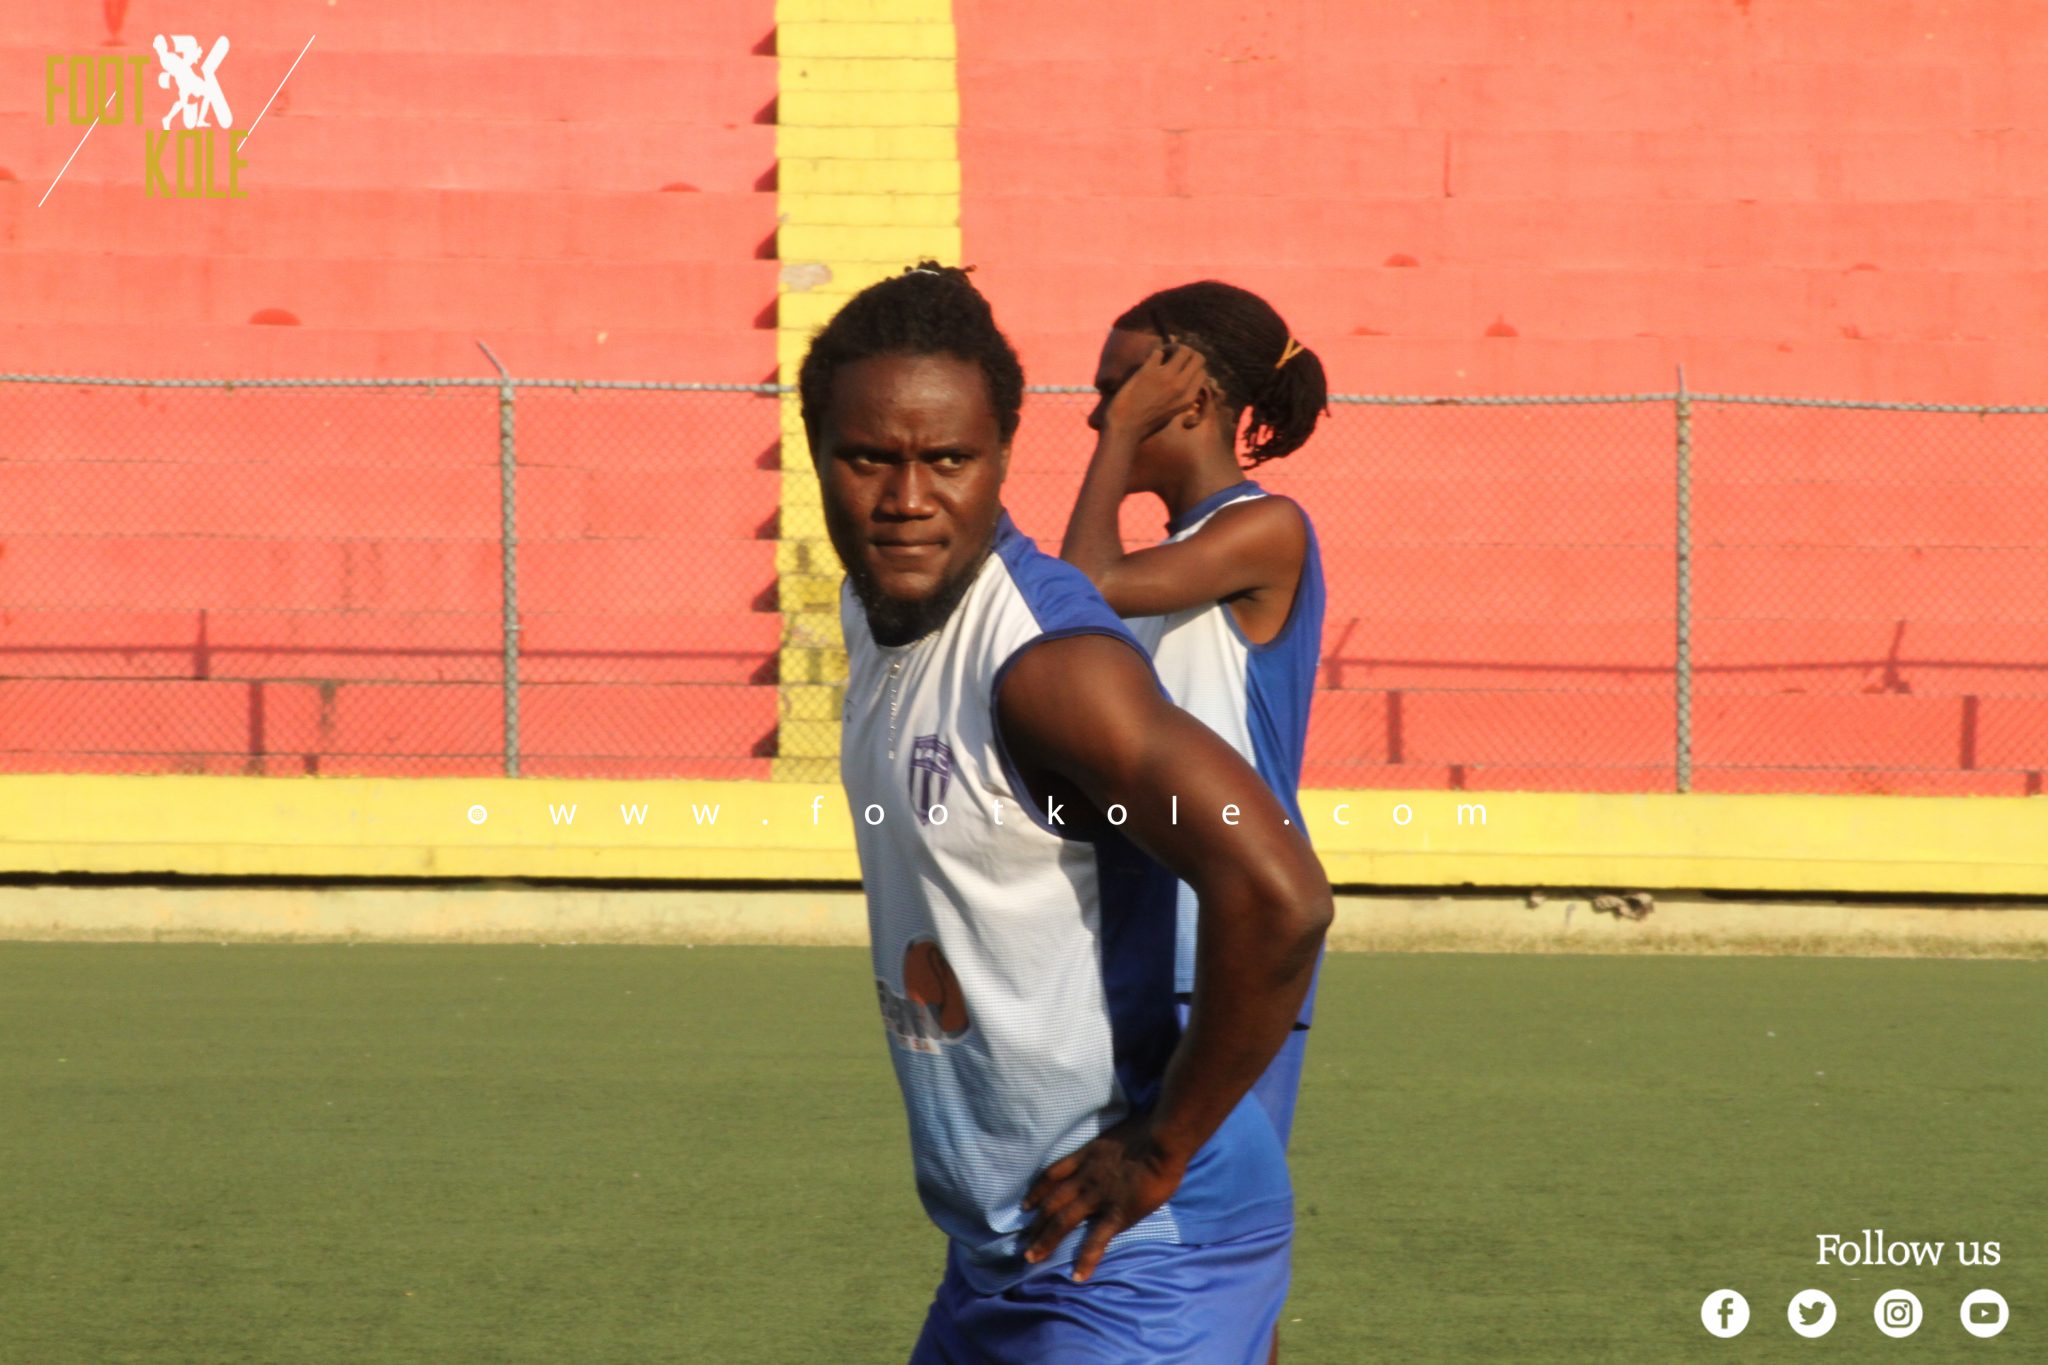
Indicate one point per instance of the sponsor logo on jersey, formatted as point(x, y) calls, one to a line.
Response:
point(931, 1009)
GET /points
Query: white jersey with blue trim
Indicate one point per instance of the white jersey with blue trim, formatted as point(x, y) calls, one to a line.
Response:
point(1256, 696)
point(1024, 974)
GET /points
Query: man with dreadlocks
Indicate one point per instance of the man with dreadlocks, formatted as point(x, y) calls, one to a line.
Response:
point(1230, 605)
point(1111, 1190)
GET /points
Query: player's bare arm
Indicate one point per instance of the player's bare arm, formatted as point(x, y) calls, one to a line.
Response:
point(1172, 384)
point(1083, 720)
point(1249, 554)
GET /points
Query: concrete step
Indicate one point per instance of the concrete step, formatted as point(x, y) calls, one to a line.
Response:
point(53, 288)
point(312, 224)
point(681, 86)
point(166, 719)
point(97, 433)
point(1548, 34)
point(703, 354)
point(299, 574)
point(689, 645)
point(383, 501)
point(378, 151)
point(456, 28)
point(1358, 83)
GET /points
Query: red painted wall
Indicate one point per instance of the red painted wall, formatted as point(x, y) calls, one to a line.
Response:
point(1790, 196)
point(1796, 197)
point(309, 580)
point(1536, 197)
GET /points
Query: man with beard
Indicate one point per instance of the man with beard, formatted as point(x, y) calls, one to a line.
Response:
point(1024, 797)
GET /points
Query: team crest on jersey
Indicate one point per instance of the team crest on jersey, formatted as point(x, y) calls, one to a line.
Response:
point(931, 1010)
point(931, 769)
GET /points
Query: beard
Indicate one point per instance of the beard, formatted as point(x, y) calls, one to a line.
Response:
point(894, 621)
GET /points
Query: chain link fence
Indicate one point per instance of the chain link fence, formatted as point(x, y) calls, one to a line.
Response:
point(390, 577)
point(1648, 592)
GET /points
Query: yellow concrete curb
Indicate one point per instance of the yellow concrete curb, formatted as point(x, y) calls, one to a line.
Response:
point(801, 830)
point(525, 914)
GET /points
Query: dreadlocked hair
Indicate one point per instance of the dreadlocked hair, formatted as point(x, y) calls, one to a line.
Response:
point(1250, 354)
point(929, 309)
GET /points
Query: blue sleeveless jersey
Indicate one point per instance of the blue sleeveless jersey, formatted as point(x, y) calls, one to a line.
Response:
point(1254, 695)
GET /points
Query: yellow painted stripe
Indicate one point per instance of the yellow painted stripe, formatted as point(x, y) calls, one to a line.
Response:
point(802, 314)
point(810, 38)
point(887, 74)
point(843, 242)
point(794, 142)
point(764, 831)
point(866, 109)
point(876, 210)
point(868, 177)
point(852, 175)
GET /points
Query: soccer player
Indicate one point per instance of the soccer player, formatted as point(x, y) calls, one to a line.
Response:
point(1230, 605)
point(1024, 796)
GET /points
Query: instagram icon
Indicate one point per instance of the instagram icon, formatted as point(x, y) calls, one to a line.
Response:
point(1898, 1313)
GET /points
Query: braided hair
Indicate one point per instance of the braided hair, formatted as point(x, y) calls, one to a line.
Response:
point(1254, 359)
point(929, 309)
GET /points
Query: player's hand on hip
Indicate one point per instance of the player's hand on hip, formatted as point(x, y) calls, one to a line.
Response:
point(1110, 1184)
point(1158, 391)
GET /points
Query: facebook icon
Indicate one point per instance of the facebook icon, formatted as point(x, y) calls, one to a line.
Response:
point(1724, 1313)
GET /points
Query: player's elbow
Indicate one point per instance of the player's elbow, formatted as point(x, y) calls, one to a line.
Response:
point(1315, 910)
point(1298, 900)
point(1099, 568)
point(1125, 597)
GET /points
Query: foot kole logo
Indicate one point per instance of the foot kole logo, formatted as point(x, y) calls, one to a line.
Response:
point(931, 1010)
point(199, 159)
point(195, 150)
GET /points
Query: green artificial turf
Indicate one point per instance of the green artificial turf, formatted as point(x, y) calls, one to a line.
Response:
point(312, 1153)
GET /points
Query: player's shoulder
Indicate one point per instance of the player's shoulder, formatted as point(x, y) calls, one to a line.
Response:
point(1261, 514)
point(1055, 598)
point(1057, 627)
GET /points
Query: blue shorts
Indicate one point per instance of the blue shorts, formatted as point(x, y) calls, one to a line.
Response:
point(1151, 1303)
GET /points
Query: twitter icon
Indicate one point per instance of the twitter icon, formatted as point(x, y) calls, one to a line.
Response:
point(1811, 1313)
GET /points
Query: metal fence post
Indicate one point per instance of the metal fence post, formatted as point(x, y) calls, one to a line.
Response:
point(508, 554)
point(1684, 546)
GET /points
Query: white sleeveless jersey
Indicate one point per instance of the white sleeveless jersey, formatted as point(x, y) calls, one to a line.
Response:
point(1024, 975)
point(1254, 695)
